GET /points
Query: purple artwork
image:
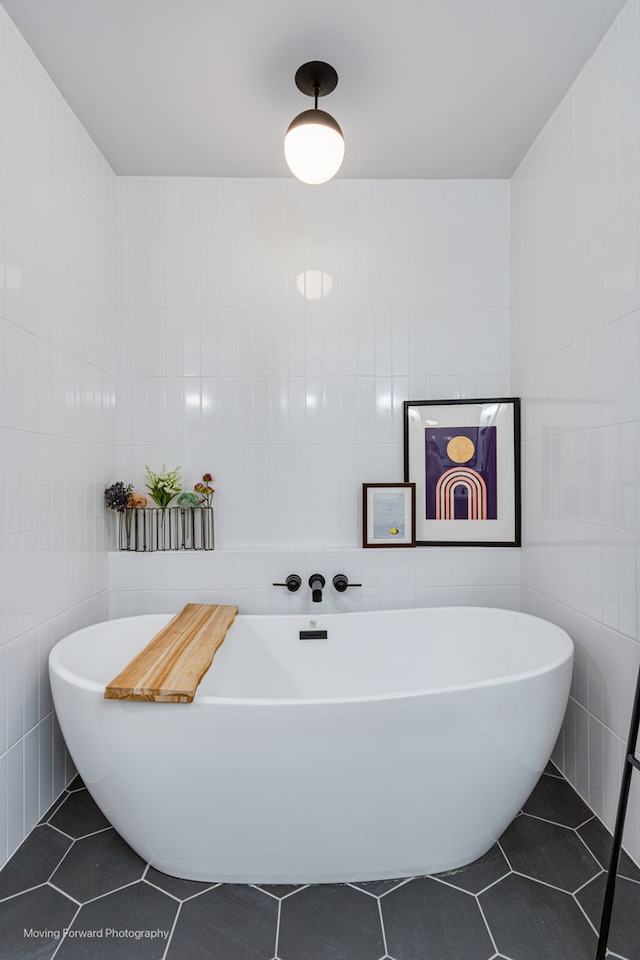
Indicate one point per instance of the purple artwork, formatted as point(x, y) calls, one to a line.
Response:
point(460, 473)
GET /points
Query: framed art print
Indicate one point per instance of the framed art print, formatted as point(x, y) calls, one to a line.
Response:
point(388, 515)
point(464, 458)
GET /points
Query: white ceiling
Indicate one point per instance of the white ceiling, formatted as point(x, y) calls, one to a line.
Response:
point(428, 88)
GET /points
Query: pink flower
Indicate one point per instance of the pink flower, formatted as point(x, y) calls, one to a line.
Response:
point(205, 489)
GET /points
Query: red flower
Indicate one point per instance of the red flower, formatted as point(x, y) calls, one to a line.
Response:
point(207, 477)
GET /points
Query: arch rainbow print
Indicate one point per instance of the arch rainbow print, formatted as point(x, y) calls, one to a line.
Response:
point(464, 457)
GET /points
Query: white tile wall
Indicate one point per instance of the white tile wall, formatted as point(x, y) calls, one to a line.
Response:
point(57, 423)
point(290, 402)
point(576, 314)
point(164, 582)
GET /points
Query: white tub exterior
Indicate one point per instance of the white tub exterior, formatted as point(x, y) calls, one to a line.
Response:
point(403, 744)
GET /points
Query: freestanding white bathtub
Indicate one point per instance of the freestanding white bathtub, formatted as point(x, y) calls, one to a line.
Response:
point(402, 744)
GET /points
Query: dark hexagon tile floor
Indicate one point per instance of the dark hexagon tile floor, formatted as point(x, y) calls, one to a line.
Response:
point(624, 936)
point(330, 922)
point(549, 852)
point(428, 918)
point(132, 923)
point(533, 921)
point(229, 922)
point(96, 865)
point(74, 890)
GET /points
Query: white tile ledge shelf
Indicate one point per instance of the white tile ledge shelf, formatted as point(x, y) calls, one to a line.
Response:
point(427, 577)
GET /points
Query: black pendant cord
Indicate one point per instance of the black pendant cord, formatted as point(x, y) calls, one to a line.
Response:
point(631, 763)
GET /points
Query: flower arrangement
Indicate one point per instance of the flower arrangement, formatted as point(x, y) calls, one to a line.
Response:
point(116, 497)
point(141, 529)
point(204, 489)
point(163, 486)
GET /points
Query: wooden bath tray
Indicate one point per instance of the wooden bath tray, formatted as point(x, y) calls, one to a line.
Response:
point(174, 662)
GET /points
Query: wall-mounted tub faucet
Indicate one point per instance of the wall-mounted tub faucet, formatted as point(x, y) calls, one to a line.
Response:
point(341, 582)
point(292, 583)
point(316, 582)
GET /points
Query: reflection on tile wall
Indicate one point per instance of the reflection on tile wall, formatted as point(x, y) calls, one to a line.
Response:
point(576, 322)
point(270, 333)
point(57, 423)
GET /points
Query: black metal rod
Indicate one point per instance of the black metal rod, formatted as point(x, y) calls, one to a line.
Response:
point(630, 763)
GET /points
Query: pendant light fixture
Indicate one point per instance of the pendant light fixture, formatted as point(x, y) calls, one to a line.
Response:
point(314, 145)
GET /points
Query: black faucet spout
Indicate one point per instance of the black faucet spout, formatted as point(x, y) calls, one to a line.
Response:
point(316, 582)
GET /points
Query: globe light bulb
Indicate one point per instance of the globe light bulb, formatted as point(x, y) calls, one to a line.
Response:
point(314, 146)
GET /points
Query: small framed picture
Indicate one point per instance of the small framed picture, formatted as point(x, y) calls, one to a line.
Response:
point(464, 457)
point(388, 514)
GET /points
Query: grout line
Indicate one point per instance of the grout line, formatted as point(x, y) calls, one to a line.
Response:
point(543, 883)
point(585, 822)
point(292, 892)
point(50, 877)
point(172, 896)
point(257, 886)
point(107, 893)
point(550, 773)
point(401, 883)
point(494, 883)
point(36, 886)
point(504, 854)
point(452, 886)
point(591, 880)
point(171, 932)
point(63, 892)
point(192, 896)
point(62, 833)
point(267, 893)
point(368, 893)
point(630, 879)
point(276, 944)
point(384, 932)
point(555, 823)
point(94, 833)
point(589, 851)
point(486, 923)
point(584, 913)
point(64, 937)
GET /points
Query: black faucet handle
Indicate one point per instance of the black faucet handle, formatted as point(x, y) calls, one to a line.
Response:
point(292, 583)
point(341, 582)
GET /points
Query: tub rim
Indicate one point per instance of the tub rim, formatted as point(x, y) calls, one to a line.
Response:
point(93, 686)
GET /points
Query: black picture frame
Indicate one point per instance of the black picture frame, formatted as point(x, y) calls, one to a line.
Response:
point(464, 458)
point(388, 514)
